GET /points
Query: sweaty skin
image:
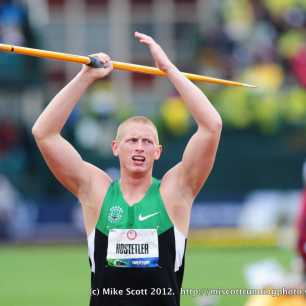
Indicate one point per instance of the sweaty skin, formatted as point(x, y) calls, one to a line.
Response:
point(136, 150)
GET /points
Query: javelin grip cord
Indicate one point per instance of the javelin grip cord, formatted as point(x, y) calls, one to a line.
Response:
point(95, 62)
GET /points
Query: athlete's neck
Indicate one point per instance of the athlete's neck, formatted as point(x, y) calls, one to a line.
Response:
point(134, 188)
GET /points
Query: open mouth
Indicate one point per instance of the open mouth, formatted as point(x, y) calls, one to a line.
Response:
point(138, 158)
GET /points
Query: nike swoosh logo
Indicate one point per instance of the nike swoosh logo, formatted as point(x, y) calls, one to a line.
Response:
point(143, 218)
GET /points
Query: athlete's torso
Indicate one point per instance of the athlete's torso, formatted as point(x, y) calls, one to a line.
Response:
point(136, 253)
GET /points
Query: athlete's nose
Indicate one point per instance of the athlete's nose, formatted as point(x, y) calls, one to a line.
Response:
point(139, 146)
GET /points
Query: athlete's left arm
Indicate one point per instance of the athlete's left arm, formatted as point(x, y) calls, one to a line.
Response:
point(199, 155)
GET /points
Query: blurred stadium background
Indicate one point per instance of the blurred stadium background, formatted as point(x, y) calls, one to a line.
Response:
point(245, 214)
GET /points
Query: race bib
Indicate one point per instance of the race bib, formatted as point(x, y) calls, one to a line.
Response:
point(133, 248)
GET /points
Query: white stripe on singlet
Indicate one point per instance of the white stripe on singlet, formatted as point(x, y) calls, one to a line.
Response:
point(179, 248)
point(91, 249)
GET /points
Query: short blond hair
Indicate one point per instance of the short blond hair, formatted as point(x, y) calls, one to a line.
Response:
point(135, 119)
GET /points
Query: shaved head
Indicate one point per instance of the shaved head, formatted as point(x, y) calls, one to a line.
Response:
point(135, 119)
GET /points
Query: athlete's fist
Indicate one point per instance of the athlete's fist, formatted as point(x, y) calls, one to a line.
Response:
point(99, 73)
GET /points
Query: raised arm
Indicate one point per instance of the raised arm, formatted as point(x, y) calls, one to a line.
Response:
point(62, 159)
point(199, 155)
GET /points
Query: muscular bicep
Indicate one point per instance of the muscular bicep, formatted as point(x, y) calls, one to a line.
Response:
point(64, 162)
point(198, 159)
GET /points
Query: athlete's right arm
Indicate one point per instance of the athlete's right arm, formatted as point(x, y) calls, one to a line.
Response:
point(63, 160)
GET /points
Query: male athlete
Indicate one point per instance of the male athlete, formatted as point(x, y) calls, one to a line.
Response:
point(136, 227)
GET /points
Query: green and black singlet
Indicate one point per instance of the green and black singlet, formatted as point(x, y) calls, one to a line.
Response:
point(136, 253)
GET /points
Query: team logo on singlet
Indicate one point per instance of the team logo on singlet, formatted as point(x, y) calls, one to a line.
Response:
point(115, 214)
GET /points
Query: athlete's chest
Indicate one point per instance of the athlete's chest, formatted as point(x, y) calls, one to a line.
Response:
point(133, 234)
point(142, 215)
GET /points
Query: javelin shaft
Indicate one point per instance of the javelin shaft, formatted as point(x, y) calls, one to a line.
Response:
point(46, 54)
point(66, 57)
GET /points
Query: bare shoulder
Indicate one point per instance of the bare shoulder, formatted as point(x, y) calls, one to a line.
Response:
point(177, 198)
point(92, 195)
point(173, 185)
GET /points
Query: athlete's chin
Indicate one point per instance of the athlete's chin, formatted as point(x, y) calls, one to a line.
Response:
point(139, 169)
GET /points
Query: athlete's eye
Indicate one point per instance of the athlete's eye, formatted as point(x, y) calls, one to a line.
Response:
point(147, 141)
point(132, 140)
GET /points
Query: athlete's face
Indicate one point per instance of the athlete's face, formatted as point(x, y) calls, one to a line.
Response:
point(137, 148)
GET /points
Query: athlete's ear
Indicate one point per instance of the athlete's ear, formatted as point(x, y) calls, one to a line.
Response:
point(158, 152)
point(115, 147)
